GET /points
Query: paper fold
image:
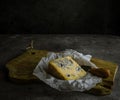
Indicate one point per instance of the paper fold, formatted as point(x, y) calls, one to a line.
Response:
point(83, 84)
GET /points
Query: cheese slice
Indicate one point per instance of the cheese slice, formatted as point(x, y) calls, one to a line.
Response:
point(66, 68)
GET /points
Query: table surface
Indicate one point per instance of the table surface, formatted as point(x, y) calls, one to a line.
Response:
point(105, 47)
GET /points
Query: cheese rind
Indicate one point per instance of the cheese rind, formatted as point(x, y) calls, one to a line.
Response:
point(66, 68)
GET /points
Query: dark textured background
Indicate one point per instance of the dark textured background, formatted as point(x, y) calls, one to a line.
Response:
point(59, 16)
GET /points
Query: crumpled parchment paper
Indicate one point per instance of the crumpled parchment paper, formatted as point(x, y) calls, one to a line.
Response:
point(82, 84)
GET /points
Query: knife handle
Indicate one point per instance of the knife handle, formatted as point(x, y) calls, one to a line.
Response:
point(100, 72)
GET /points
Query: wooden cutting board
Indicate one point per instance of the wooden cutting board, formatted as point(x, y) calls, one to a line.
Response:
point(21, 69)
point(105, 87)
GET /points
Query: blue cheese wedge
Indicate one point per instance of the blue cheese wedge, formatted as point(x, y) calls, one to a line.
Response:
point(66, 68)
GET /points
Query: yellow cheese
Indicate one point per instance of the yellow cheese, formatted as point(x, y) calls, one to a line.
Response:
point(66, 68)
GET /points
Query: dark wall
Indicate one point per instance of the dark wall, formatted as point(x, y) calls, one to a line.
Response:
point(59, 16)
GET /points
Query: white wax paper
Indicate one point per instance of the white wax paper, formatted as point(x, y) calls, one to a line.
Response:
point(82, 84)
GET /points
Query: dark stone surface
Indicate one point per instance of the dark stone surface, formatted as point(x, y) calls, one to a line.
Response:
point(59, 16)
point(105, 47)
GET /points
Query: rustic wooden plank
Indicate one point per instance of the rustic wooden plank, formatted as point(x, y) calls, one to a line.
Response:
point(25, 63)
point(105, 87)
